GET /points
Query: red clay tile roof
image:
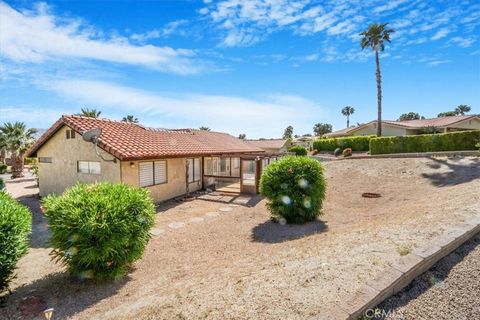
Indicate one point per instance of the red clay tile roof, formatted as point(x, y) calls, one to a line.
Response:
point(268, 143)
point(129, 141)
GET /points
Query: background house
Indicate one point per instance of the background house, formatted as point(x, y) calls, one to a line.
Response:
point(169, 163)
point(271, 145)
point(305, 141)
point(409, 127)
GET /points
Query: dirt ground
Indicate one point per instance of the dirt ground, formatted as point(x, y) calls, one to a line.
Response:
point(221, 261)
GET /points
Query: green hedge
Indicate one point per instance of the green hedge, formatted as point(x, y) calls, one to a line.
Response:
point(99, 230)
point(454, 141)
point(298, 150)
point(356, 143)
point(15, 227)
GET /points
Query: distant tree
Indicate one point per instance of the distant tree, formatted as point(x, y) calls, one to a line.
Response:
point(375, 37)
point(347, 112)
point(205, 128)
point(322, 128)
point(447, 114)
point(242, 136)
point(130, 118)
point(16, 139)
point(92, 113)
point(462, 109)
point(296, 136)
point(307, 135)
point(288, 133)
point(410, 116)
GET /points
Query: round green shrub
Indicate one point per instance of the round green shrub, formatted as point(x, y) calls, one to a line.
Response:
point(295, 188)
point(3, 168)
point(98, 230)
point(15, 227)
point(298, 150)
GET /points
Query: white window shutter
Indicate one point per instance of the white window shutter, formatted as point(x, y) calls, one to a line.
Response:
point(145, 170)
point(160, 172)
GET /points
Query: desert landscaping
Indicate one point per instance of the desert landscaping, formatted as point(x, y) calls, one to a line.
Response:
point(221, 260)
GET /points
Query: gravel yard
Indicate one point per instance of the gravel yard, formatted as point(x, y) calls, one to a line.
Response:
point(450, 290)
point(206, 261)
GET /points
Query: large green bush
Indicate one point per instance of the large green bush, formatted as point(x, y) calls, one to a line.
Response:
point(454, 141)
point(3, 168)
point(356, 143)
point(295, 188)
point(298, 150)
point(98, 230)
point(15, 227)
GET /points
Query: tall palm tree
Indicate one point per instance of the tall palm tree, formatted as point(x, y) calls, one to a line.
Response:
point(375, 37)
point(462, 109)
point(16, 139)
point(347, 112)
point(130, 118)
point(92, 113)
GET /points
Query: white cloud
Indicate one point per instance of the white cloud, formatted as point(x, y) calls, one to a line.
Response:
point(393, 4)
point(35, 116)
point(224, 113)
point(442, 33)
point(462, 42)
point(37, 36)
point(169, 29)
point(438, 62)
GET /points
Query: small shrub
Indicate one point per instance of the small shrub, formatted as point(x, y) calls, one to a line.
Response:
point(98, 230)
point(295, 188)
point(2, 184)
point(15, 226)
point(356, 143)
point(347, 152)
point(298, 150)
point(30, 161)
point(3, 168)
point(337, 152)
point(453, 141)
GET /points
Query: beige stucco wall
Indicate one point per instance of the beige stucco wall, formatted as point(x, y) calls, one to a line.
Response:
point(176, 174)
point(55, 177)
point(387, 130)
point(473, 124)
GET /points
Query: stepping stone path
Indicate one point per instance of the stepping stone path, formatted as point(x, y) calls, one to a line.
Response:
point(156, 231)
point(212, 214)
point(196, 219)
point(225, 209)
point(176, 225)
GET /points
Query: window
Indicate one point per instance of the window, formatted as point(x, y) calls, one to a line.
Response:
point(90, 167)
point(70, 134)
point(194, 170)
point(45, 160)
point(152, 172)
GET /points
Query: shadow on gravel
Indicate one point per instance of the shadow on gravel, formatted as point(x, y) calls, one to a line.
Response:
point(458, 173)
point(433, 277)
point(274, 232)
point(59, 291)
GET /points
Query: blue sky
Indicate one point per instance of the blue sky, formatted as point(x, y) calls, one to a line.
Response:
point(251, 66)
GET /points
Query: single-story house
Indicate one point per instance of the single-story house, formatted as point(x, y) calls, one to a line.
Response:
point(411, 127)
point(271, 145)
point(305, 141)
point(170, 163)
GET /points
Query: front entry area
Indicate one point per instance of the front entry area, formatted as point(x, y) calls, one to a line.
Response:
point(234, 174)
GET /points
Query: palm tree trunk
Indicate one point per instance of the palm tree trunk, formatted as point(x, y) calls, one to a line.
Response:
point(17, 166)
point(379, 96)
point(348, 121)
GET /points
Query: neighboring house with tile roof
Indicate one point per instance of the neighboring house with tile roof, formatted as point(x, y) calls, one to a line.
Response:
point(170, 163)
point(271, 145)
point(411, 127)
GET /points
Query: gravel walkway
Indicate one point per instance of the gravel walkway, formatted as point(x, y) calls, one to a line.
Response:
point(450, 290)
